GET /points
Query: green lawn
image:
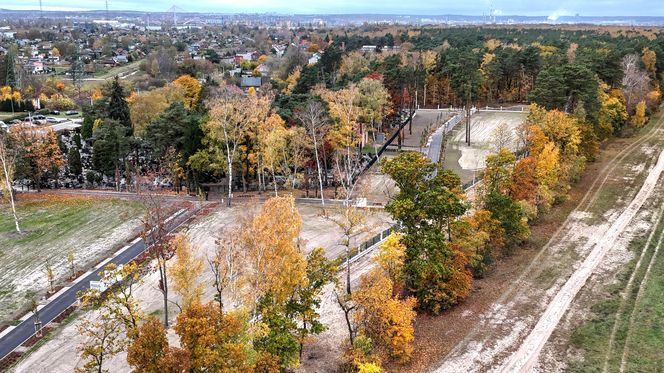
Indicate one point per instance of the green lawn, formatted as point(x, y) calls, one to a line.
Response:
point(642, 319)
point(112, 72)
point(53, 227)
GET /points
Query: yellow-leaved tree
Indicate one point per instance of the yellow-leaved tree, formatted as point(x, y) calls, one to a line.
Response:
point(185, 271)
point(384, 318)
point(191, 88)
point(639, 118)
point(273, 265)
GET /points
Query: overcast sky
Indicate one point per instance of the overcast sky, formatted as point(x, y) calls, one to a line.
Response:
point(466, 7)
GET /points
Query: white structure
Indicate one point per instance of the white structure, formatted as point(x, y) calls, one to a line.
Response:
point(314, 59)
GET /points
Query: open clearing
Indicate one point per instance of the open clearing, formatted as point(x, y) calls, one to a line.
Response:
point(59, 353)
point(53, 227)
point(464, 159)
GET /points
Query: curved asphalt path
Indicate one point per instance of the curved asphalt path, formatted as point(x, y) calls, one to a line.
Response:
point(26, 329)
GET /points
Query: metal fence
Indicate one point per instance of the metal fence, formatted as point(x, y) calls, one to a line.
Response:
point(368, 245)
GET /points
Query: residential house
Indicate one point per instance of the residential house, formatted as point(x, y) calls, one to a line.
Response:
point(314, 59)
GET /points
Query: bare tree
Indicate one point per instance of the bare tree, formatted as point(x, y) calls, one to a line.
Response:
point(155, 236)
point(225, 264)
point(352, 222)
point(502, 137)
point(635, 81)
point(7, 159)
point(314, 118)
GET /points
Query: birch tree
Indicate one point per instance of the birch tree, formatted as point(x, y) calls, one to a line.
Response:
point(226, 265)
point(344, 136)
point(314, 118)
point(7, 159)
point(231, 116)
point(155, 236)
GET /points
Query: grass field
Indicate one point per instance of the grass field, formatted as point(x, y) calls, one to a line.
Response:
point(54, 226)
point(638, 320)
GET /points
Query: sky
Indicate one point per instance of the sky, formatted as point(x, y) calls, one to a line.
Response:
point(550, 8)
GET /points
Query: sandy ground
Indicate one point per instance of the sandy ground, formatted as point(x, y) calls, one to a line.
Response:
point(483, 127)
point(605, 220)
point(525, 358)
point(322, 354)
point(59, 354)
point(466, 160)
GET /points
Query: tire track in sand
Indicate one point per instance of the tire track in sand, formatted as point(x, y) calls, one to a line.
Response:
point(524, 359)
point(589, 197)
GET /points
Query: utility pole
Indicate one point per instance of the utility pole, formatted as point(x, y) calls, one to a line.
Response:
point(107, 17)
point(41, 10)
point(468, 117)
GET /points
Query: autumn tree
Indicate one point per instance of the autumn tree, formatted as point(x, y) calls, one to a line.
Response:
point(374, 101)
point(231, 116)
point(145, 107)
point(273, 265)
point(103, 340)
point(215, 341)
point(612, 115)
point(191, 88)
point(155, 236)
point(38, 153)
point(151, 353)
point(71, 260)
point(50, 275)
point(226, 265)
point(314, 118)
point(635, 82)
point(353, 222)
point(118, 301)
point(639, 118)
point(344, 135)
point(386, 319)
point(430, 199)
point(391, 256)
point(304, 305)
point(7, 161)
point(649, 59)
point(185, 271)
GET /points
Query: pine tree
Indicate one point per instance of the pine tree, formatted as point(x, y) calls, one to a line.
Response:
point(10, 69)
point(76, 70)
point(74, 160)
point(118, 108)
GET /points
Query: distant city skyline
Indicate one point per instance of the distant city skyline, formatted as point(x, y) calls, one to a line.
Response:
point(552, 9)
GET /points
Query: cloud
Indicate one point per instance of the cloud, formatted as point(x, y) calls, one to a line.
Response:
point(557, 14)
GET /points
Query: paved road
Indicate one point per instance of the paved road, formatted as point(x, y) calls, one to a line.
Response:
point(68, 125)
point(437, 139)
point(55, 307)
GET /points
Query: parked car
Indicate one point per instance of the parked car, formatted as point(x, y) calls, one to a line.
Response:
point(55, 112)
point(38, 117)
point(52, 119)
point(71, 112)
point(15, 121)
point(3, 125)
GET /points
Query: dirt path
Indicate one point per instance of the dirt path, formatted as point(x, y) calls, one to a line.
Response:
point(526, 356)
point(628, 290)
point(501, 326)
point(639, 295)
